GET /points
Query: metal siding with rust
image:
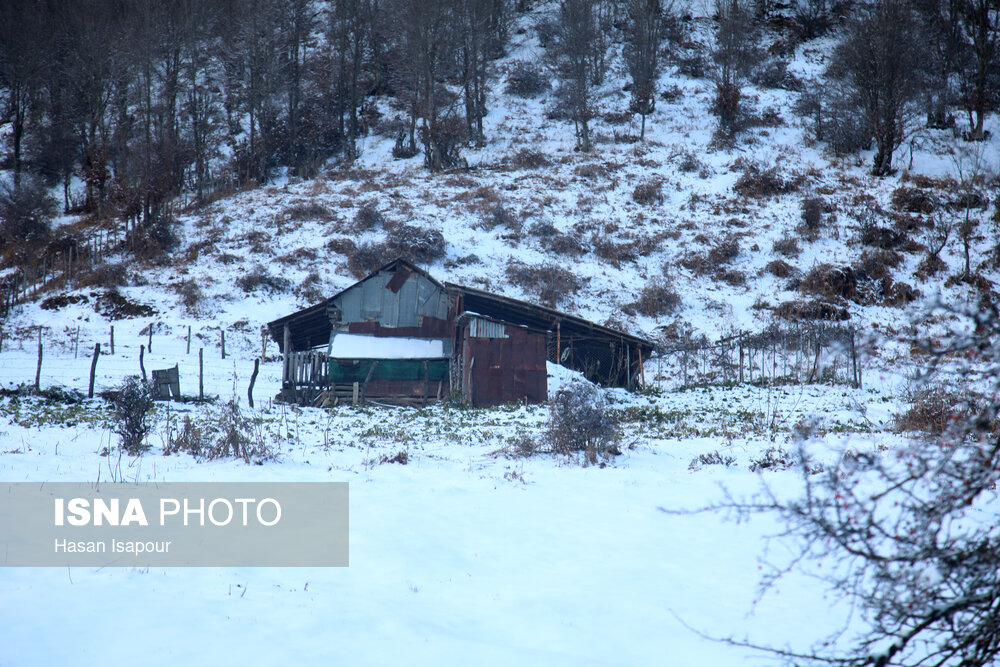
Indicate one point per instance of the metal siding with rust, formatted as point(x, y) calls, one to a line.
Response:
point(371, 307)
point(505, 369)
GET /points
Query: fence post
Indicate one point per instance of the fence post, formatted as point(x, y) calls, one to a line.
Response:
point(76, 343)
point(223, 343)
point(741, 358)
point(150, 346)
point(253, 378)
point(93, 369)
point(142, 366)
point(201, 374)
point(854, 362)
point(189, 340)
point(38, 370)
point(112, 340)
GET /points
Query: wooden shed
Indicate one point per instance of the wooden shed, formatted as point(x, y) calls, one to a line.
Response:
point(399, 335)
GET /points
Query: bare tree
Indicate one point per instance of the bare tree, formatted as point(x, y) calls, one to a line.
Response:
point(645, 32)
point(577, 57)
point(876, 64)
point(981, 28)
point(735, 54)
point(909, 537)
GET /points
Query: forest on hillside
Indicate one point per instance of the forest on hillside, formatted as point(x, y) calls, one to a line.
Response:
point(140, 101)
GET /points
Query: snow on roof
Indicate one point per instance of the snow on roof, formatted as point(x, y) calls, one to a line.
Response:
point(357, 346)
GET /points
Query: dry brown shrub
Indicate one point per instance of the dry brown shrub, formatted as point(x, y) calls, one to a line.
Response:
point(499, 215)
point(657, 298)
point(612, 252)
point(760, 183)
point(830, 282)
point(811, 310)
point(779, 268)
point(191, 295)
point(901, 294)
point(724, 252)
point(933, 410)
point(787, 247)
point(528, 159)
point(732, 277)
point(109, 276)
point(550, 282)
point(308, 212)
point(341, 245)
point(366, 258)
point(591, 170)
point(913, 200)
point(697, 263)
point(368, 217)
point(929, 266)
point(877, 264)
point(648, 194)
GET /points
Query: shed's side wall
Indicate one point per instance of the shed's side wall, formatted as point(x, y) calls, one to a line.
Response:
point(503, 370)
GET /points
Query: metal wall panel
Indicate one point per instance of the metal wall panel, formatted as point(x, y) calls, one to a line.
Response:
point(479, 328)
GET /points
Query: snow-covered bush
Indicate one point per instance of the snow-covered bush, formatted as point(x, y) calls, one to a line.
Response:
point(579, 422)
point(132, 404)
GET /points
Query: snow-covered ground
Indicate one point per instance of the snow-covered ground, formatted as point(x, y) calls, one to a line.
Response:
point(468, 553)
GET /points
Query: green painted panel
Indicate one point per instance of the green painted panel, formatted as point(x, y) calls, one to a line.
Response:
point(356, 370)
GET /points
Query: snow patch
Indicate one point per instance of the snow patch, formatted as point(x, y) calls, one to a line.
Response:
point(357, 346)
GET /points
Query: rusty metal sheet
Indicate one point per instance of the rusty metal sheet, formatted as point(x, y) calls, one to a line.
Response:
point(398, 278)
point(506, 369)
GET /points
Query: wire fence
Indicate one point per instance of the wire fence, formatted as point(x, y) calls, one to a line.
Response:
point(799, 354)
point(69, 362)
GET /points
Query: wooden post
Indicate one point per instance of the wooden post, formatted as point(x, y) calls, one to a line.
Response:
point(558, 342)
point(642, 369)
point(854, 361)
point(741, 358)
point(93, 369)
point(427, 381)
point(150, 346)
point(263, 343)
point(189, 340)
point(38, 371)
point(112, 339)
point(76, 343)
point(253, 378)
point(285, 353)
point(201, 374)
point(223, 343)
point(142, 366)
